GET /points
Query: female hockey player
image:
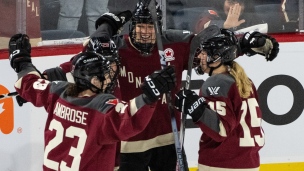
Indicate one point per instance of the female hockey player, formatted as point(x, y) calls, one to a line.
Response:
point(227, 110)
point(84, 121)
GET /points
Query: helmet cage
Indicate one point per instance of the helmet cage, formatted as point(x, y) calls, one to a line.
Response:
point(220, 48)
point(90, 64)
point(142, 15)
point(108, 49)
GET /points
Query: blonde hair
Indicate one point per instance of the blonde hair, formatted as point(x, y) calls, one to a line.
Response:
point(243, 83)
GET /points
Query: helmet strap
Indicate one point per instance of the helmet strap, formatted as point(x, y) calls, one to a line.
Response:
point(95, 89)
point(213, 68)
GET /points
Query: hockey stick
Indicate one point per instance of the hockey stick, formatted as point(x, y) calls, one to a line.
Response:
point(195, 42)
point(178, 149)
point(8, 95)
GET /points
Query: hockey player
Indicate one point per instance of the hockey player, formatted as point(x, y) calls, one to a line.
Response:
point(227, 110)
point(153, 148)
point(84, 121)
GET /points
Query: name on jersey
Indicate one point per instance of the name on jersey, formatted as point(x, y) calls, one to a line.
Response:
point(69, 114)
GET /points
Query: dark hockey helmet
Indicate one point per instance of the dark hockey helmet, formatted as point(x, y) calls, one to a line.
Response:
point(104, 46)
point(141, 14)
point(86, 65)
point(222, 47)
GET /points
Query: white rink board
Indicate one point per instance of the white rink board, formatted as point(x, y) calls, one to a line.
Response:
point(24, 151)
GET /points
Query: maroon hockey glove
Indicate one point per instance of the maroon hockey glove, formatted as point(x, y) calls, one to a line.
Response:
point(192, 103)
point(19, 49)
point(116, 21)
point(159, 82)
point(257, 43)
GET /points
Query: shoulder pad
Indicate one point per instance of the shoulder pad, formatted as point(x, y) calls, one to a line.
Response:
point(57, 87)
point(218, 85)
point(105, 102)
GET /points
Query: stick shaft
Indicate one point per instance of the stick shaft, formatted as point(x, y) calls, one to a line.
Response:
point(178, 149)
point(8, 95)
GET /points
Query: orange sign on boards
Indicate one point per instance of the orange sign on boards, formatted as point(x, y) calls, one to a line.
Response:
point(6, 112)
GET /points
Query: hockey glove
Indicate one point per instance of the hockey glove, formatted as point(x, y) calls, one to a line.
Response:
point(192, 103)
point(257, 43)
point(19, 50)
point(102, 45)
point(159, 82)
point(20, 100)
point(116, 21)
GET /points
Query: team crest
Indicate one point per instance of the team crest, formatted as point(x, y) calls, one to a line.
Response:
point(169, 54)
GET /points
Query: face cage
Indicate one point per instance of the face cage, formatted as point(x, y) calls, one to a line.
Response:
point(144, 48)
point(213, 55)
point(113, 77)
point(84, 74)
point(112, 57)
point(210, 58)
point(226, 55)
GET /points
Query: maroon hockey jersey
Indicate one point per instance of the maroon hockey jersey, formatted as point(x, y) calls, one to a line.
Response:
point(134, 67)
point(237, 144)
point(82, 133)
point(133, 70)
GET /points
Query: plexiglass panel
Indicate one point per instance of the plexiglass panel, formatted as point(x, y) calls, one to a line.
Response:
point(46, 21)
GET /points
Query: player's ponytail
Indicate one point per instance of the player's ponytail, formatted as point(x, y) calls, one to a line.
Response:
point(242, 81)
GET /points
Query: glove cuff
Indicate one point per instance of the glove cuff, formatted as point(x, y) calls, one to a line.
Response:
point(17, 57)
point(248, 52)
point(246, 45)
point(148, 100)
point(253, 40)
point(198, 113)
point(20, 100)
